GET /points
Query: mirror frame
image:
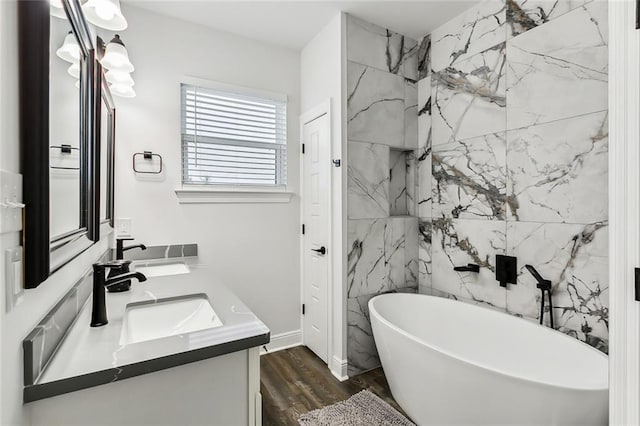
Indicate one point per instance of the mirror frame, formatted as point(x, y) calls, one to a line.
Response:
point(43, 255)
point(106, 224)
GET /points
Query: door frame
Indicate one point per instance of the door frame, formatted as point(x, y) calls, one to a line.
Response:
point(316, 112)
point(624, 216)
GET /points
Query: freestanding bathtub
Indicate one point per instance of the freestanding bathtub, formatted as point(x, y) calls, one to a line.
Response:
point(453, 363)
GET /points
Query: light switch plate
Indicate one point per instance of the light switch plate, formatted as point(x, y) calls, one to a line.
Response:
point(13, 277)
point(10, 201)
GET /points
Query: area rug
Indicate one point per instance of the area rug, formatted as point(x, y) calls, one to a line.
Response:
point(362, 409)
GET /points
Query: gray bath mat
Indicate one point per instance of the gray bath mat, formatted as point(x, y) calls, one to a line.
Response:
point(362, 409)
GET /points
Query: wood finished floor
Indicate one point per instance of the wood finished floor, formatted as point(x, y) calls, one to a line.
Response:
point(295, 381)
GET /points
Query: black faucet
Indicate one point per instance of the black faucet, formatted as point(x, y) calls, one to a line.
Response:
point(99, 310)
point(120, 248)
point(114, 272)
point(471, 267)
point(545, 286)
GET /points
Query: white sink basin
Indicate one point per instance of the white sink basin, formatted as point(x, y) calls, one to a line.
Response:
point(162, 269)
point(167, 317)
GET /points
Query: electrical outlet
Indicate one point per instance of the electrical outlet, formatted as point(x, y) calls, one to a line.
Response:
point(123, 227)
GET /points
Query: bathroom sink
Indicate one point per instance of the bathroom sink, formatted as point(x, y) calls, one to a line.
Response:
point(167, 317)
point(162, 269)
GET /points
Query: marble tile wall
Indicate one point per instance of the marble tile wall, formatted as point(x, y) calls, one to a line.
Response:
point(512, 158)
point(383, 105)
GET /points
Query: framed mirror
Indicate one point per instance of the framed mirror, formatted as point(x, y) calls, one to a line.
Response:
point(59, 151)
point(69, 70)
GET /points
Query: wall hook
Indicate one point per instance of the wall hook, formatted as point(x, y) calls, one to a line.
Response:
point(336, 163)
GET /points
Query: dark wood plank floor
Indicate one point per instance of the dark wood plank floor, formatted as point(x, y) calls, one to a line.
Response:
point(294, 381)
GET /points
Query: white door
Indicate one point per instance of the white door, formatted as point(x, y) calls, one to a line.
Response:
point(316, 216)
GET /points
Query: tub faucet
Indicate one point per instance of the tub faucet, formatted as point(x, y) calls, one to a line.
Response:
point(545, 287)
point(471, 267)
point(99, 309)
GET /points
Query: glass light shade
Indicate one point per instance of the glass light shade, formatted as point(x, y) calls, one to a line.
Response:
point(119, 77)
point(105, 14)
point(57, 9)
point(116, 57)
point(69, 51)
point(122, 91)
point(74, 70)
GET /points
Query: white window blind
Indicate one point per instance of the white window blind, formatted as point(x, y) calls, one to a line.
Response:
point(232, 139)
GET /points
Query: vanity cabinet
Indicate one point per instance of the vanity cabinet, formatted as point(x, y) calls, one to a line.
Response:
point(223, 391)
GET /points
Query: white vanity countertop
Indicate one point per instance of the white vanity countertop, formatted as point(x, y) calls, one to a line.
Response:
point(92, 356)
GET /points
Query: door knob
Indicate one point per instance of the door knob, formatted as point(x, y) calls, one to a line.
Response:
point(321, 250)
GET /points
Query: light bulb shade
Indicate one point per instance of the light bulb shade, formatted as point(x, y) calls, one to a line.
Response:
point(122, 91)
point(69, 51)
point(105, 14)
point(57, 9)
point(116, 57)
point(74, 70)
point(119, 77)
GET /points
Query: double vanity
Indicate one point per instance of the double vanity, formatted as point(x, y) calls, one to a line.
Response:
point(180, 338)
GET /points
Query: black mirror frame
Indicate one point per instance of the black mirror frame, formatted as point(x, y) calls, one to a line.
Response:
point(106, 224)
point(43, 255)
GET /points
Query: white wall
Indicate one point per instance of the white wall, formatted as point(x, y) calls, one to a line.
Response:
point(322, 67)
point(16, 324)
point(253, 248)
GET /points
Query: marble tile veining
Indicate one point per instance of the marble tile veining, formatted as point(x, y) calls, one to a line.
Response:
point(558, 171)
point(368, 180)
point(425, 194)
point(411, 59)
point(458, 242)
point(412, 182)
point(512, 127)
point(424, 255)
point(410, 114)
point(469, 178)
point(382, 128)
point(589, 339)
point(468, 98)
point(559, 70)
point(378, 255)
point(575, 259)
point(524, 15)
point(478, 29)
point(375, 106)
point(424, 112)
point(411, 264)
point(398, 184)
point(378, 47)
point(362, 352)
point(372, 45)
point(424, 57)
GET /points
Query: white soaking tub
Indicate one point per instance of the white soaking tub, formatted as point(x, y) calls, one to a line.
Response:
point(453, 363)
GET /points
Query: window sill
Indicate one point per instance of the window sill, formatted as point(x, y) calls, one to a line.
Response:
point(232, 196)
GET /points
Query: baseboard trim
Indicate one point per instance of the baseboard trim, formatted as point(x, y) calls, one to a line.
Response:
point(282, 341)
point(339, 368)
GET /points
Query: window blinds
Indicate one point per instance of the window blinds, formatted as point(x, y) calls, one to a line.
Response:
point(232, 139)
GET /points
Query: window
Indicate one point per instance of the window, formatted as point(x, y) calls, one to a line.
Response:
point(231, 138)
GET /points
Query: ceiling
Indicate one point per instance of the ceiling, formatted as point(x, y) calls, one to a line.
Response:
point(292, 24)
